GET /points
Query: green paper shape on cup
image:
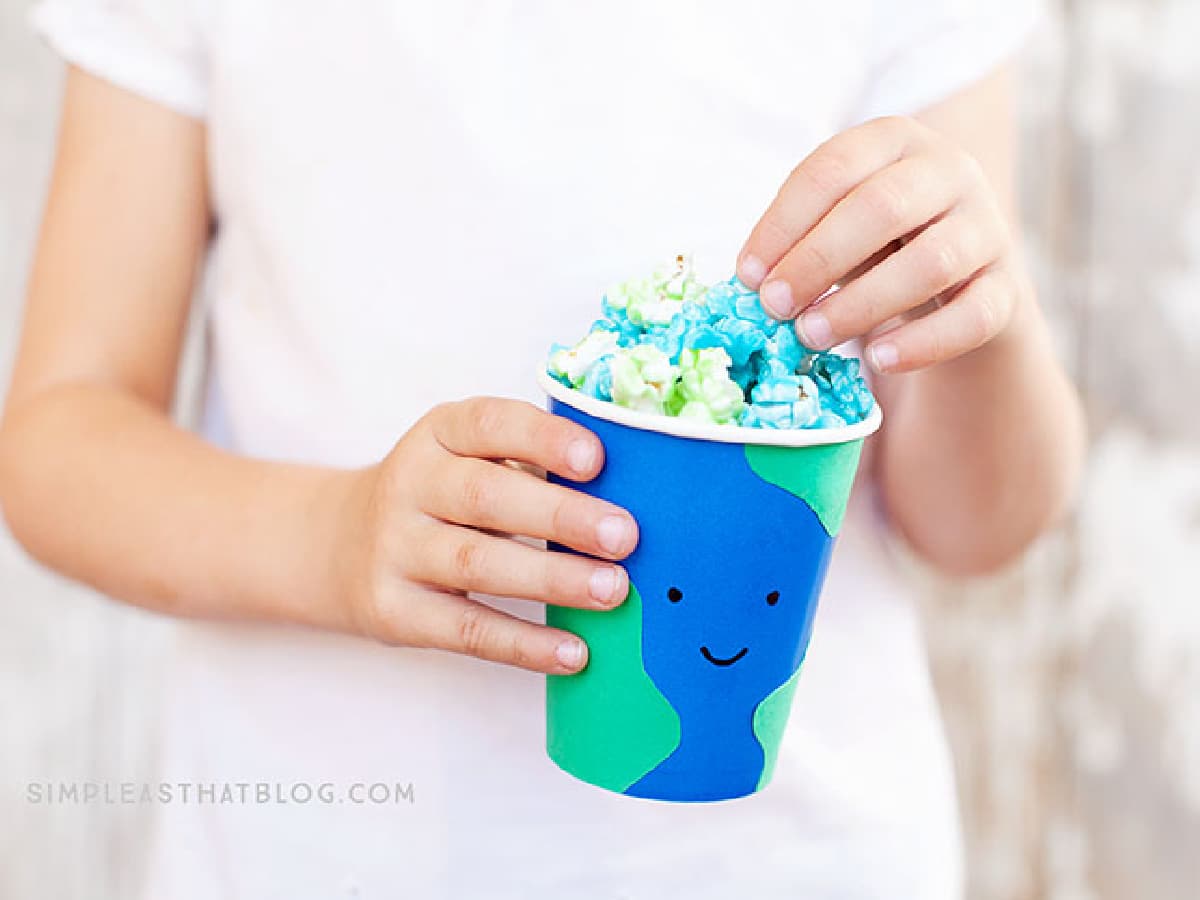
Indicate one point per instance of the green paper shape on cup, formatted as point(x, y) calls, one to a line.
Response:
point(612, 695)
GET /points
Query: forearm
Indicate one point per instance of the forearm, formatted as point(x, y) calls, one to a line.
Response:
point(103, 488)
point(981, 453)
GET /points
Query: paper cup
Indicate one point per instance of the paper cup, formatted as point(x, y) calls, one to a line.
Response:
point(689, 681)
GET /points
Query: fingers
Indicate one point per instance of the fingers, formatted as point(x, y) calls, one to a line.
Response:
point(486, 495)
point(492, 427)
point(457, 623)
point(890, 204)
point(817, 185)
point(945, 254)
point(974, 316)
point(463, 559)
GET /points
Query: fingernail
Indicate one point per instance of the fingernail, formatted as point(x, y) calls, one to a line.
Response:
point(612, 534)
point(777, 298)
point(570, 653)
point(751, 271)
point(814, 331)
point(603, 585)
point(883, 356)
point(581, 455)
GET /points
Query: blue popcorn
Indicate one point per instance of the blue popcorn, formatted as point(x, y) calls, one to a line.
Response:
point(617, 321)
point(693, 311)
point(786, 347)
point(777, 381)
point(749, 307)
point(741, 339)
point(843, 391)
point(771, 415)
point(828, 420)
point(782, 415)
point(721, 299)
point(782, 398)
point(598, 380)
point(668, 339)
point(745, 375)
point(703, 337)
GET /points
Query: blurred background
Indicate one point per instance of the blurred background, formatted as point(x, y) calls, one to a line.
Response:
point(1070, 685)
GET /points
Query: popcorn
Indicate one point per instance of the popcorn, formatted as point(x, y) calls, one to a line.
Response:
point(570, 365)
point(656, 300)
point(843, 392)
point(642, 378)
point(705, 391)
point(783, 399)
point(667, 344)
point(598, 380)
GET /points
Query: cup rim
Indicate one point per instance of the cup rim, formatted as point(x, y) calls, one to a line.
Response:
point(707, 431)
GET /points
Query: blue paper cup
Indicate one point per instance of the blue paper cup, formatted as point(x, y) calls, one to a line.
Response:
point(689, 682)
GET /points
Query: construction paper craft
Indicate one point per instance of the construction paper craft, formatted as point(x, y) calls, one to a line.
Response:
point(823, 482)
point(689, 683)
point(770, 718)
point(612, 696)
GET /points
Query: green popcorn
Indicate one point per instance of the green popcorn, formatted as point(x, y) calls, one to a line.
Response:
point(623, 294)
point(679, 282)
point(642, 378)
point(705, 391)
point(657, 299)
point(573, 363)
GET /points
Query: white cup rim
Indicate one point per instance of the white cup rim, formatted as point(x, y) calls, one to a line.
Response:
point(707, 431)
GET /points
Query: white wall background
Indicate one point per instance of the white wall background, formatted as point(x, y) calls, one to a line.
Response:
point(1071, 685)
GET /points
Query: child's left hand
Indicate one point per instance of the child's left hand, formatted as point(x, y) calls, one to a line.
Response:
point(897, 215)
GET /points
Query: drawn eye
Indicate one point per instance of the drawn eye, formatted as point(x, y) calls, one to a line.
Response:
point(674, 595)
point(772, 598)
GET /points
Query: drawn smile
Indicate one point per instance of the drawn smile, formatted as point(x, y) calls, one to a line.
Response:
point(727, 661)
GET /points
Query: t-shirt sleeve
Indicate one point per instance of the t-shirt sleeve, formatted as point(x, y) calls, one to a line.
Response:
point(923, 51)
point(153, 48)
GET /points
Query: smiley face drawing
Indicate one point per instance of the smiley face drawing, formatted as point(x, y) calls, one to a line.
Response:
point(727, 609)
point(724, 588)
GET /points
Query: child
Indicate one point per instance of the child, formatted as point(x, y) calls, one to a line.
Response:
point(400, 205)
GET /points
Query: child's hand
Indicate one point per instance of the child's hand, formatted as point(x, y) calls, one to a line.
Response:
point(887, 182)
point(426, 525)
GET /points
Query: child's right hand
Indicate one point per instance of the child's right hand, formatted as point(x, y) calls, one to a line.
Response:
point(430, 523)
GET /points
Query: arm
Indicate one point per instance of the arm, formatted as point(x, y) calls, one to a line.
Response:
point(982, 452)
point(97, 483)
point(984, 432)
point(95, 480)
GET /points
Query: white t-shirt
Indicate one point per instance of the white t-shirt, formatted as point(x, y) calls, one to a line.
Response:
point(414, 200)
